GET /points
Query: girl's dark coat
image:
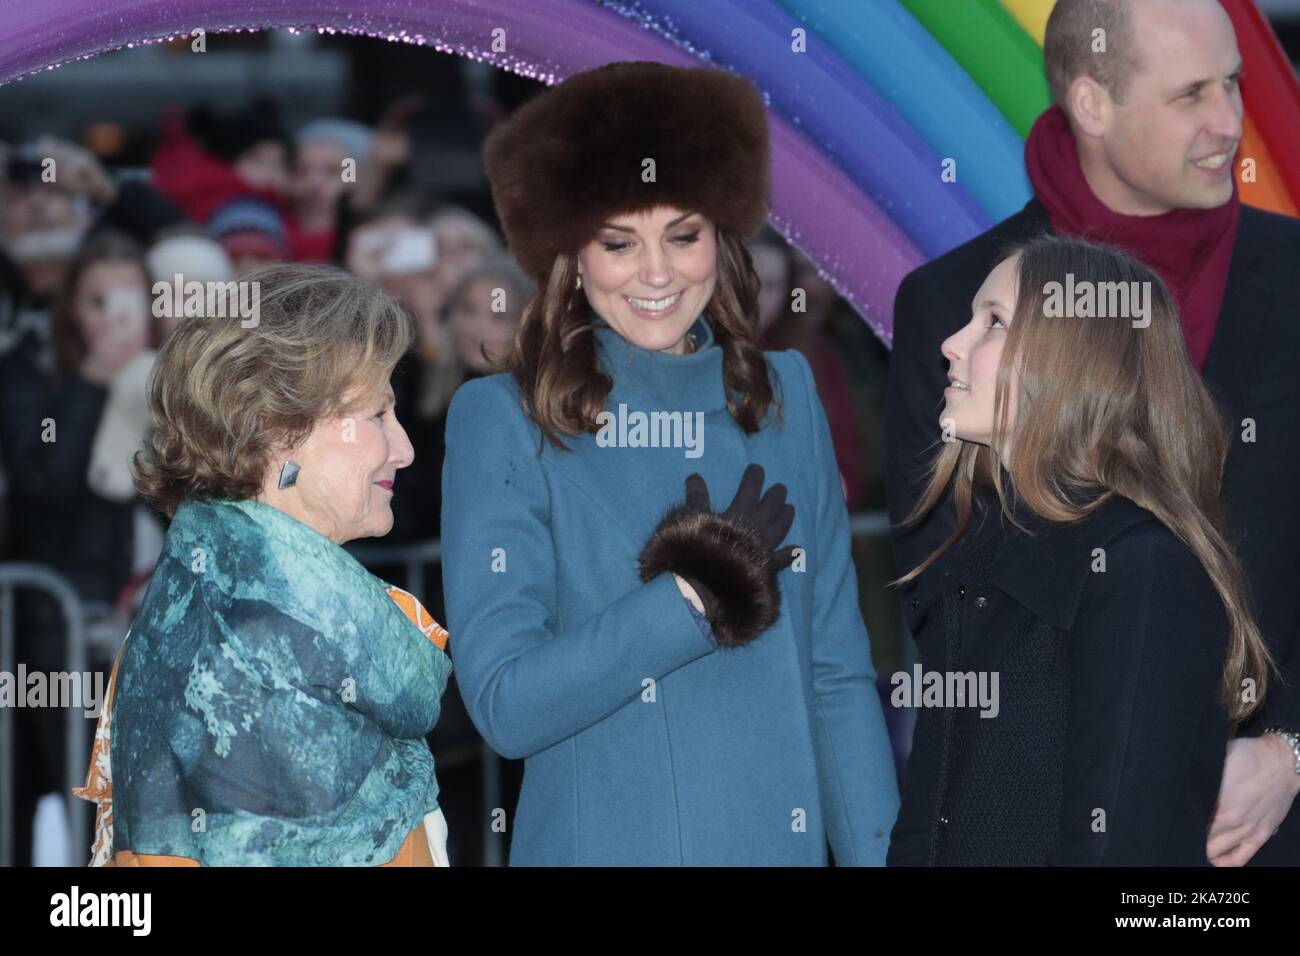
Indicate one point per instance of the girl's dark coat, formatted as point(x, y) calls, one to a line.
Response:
point(1109, 743)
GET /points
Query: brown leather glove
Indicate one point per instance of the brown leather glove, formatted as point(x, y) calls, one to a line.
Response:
point(728, 557)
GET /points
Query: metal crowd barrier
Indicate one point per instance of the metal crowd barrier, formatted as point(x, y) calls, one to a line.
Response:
point(35, 577)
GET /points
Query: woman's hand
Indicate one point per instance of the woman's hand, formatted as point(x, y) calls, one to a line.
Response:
point(390, 149)
point(729, 558)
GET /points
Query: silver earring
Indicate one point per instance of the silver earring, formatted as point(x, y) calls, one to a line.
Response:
point(288, 475)
point(578, 284)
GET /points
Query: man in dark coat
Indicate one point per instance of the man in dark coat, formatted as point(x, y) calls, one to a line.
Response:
point(1139, 152)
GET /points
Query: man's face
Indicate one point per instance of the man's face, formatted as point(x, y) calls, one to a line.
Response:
point(40, 228)
point(1171, 143)
point(30, 208)
point(317, 180)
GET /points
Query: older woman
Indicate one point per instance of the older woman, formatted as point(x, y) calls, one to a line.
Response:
point(269, 705)
point(686, 686)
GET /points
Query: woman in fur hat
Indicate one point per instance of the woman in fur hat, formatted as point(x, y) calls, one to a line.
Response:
point(688, 685)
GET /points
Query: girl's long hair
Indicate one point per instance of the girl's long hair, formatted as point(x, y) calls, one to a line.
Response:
point(554, 358)
point(1106, 409)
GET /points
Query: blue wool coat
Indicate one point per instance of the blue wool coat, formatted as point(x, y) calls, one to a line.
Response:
point(645, 742)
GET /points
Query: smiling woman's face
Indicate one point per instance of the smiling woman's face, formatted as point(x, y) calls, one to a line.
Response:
point(650, 275)
point(347, 468)
point(974, 353)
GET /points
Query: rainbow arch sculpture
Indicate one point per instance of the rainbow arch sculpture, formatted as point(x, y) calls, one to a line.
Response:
point(871, 101)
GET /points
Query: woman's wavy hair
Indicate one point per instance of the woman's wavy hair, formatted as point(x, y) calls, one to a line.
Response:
point(554, 358)
point(1105, 409)
point(223, 397)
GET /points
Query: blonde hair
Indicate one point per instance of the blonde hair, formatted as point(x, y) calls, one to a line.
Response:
point(1068, 46)
point(222, 396)
point(1103, 407)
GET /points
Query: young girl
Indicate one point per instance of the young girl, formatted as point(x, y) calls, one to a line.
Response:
point(1088, 582)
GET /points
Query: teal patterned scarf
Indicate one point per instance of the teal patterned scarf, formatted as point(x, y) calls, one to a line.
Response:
point(271, 702)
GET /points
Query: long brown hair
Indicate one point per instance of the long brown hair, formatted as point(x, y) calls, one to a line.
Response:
point(554, 357)
point(1106, 409)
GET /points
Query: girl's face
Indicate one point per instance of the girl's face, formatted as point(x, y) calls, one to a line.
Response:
point(974, 353)
point(650, 275)
point(475, 324)
point(112, 303)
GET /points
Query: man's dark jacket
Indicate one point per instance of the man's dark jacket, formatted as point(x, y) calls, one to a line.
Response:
point(1253, 371)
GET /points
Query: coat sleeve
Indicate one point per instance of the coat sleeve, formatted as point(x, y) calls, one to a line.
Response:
point(1145, 659)
point(914, 397)
point(528, 680)
point(1281, 707)
point(859, 785)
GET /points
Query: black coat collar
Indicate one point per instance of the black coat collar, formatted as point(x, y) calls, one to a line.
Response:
point(1044, 572)
point(1247, 302)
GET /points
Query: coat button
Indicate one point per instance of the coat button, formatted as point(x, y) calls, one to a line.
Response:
point(943, 821)
point(916, 602)
point(961, 592)
point(981, 602)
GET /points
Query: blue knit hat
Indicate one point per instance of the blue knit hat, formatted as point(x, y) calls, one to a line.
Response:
point(248, 225)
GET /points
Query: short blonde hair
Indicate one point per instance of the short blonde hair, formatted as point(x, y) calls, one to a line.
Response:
point(222, 395)
point(1067, 47)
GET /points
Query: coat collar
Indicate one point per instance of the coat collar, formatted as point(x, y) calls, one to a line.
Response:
point(1046, 571)
point(691, 382)
point(1246, 303)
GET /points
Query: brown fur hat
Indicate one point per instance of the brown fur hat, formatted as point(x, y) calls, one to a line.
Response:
point(572, 157)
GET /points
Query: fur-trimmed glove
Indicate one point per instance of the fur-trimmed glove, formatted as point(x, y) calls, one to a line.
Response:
point(728, 557)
